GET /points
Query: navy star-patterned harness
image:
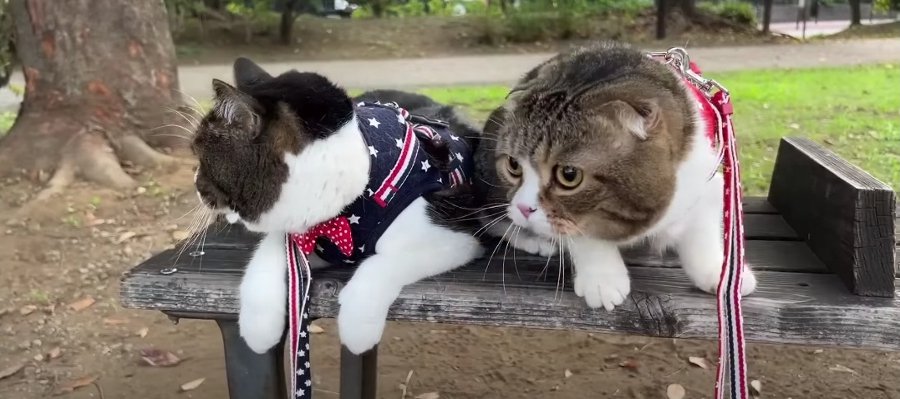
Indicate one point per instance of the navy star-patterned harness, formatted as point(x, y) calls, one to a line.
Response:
point(400, 172)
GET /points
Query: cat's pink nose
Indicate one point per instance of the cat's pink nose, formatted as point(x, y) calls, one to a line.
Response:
point(525, 209)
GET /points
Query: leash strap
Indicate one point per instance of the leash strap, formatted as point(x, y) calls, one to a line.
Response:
point(299, 281)
point(731, 381)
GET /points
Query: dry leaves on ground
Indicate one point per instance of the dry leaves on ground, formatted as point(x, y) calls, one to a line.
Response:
point(110, 321)
point(82, 304)
point(75, 384)
point(27, 310)
point(11, 370)
point(54, 353)
point(125, 237)
point(159, 358)
point(842, 369)
point(142, 332)
point(756, 386)
point(192, 385)
point(568, 373)
point(429, 395)
point(630, 364)
point(699, 362)
point(675, 391)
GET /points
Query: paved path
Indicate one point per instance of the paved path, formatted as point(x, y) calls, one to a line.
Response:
point(814, 28)
point(505, 69)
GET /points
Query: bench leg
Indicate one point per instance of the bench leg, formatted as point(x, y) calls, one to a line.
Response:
point(251, 375)
point(359, 374)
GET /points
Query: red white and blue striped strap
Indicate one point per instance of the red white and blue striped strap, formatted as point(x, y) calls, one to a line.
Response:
point(731, 381)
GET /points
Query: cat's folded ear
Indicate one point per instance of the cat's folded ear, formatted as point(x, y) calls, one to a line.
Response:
point(246, 72)
point(236, 108)
point(639, 117)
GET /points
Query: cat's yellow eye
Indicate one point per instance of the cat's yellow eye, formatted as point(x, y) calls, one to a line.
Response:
point(569, 176)
point(513, 167)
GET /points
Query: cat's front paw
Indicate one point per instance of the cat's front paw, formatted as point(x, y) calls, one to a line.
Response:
point(361, 319)
point(535, 245)
point(261, 327)
point(606, 289)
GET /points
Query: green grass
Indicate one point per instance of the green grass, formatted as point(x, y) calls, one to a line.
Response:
point(6, 122)
point(853, 111)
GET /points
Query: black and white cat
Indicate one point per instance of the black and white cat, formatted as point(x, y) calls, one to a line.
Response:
point(284, 154)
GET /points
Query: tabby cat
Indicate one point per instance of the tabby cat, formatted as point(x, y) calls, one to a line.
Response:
point(601, 147)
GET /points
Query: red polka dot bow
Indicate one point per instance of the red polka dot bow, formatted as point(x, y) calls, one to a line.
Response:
point(336, 230)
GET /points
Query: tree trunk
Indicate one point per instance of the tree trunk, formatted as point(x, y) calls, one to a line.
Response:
point(100, 79)
point(285, 34)
point(378, 8)
point(855, 13)
point(767, 15)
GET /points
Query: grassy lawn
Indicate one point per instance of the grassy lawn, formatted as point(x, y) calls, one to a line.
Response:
point(853, 111)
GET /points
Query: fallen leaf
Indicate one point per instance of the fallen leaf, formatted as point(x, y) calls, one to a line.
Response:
point(39, 357)
point(699, 362)
point(818, 351)
point(54, 353)
point(794, 126)
point(315, 329)
point(114, 322)
point(27, 310)
point(142, 332)
point(630, 364)
point(756, 386)
point(159, 358)
point(675, 391)
point(75, 384)
point(82, 304)
point(842, 369)
point(429, 395)
point(192, 385)
point(11, 370)
point(125, 237)
point(568, 373)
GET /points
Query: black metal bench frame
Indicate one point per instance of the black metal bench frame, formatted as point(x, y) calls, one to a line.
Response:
point(823, 280)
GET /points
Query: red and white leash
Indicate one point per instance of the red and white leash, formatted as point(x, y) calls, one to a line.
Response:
point(731, 379)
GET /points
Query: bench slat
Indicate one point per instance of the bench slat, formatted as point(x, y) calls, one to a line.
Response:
point(799, 308)
point(784, 256)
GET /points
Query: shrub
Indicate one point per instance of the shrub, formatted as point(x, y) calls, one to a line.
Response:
point(735, 11)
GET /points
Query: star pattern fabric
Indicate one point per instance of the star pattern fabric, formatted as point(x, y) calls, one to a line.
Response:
point(401, 171)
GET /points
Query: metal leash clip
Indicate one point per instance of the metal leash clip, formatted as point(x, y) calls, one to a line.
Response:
point(678, 58)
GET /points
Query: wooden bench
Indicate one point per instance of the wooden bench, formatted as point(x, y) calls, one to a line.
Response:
point(822, 245)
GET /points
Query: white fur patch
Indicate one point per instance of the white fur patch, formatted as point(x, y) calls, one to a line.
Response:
point(324, 178)
point(528, 195)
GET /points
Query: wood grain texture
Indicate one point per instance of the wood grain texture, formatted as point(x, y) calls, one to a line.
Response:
point(845, 214)
point(798, 308)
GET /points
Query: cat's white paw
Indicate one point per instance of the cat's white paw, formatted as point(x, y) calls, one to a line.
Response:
point(606, 289)
point(261, 327)
point(535, 245)
point(361, 319)
point(709, 282)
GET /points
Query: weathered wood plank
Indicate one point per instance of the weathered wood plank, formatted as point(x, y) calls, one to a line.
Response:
point(799, 308)
point(845, 214)
point(785, 256)
point(758, 226)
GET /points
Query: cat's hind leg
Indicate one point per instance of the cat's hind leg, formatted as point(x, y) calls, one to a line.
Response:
point(411, 249)
point(700, 249)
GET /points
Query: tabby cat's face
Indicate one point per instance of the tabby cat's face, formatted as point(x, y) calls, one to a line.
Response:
point(595, 159)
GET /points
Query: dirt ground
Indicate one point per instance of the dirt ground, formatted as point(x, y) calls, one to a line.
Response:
point(72, 251)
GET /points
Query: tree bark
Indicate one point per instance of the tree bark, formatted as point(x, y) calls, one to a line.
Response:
point(100, 79)
point(285, 34)
point(855, 13)
point(767, 15)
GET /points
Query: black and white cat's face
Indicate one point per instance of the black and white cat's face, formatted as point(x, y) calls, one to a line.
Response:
point(279, 153)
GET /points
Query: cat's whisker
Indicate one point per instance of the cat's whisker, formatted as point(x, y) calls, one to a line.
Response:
point(190, 119)
point(560, 276)
point(199, 105)
point(496, 247)
point(486, 182)
point(515, 260)
point(503, 267)
point(489, 225)
point(546, 268)
point(189, 132)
